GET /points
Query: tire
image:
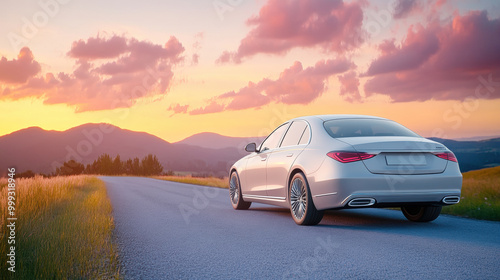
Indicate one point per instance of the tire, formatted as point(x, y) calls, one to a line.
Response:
point(421, 213)
point(302, 207)
point(235, 193)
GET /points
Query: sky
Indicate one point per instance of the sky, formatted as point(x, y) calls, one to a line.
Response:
point(242, 67)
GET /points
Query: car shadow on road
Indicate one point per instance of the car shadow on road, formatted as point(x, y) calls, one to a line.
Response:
point(388, 221)
point(357, 218)
point(339, 218)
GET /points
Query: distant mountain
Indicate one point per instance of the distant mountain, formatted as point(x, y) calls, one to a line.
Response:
point(474, 155)
point(42, 151)
point(216, 141)
point(477, 138)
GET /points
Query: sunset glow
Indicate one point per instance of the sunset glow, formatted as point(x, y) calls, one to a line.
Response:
point(240, 68)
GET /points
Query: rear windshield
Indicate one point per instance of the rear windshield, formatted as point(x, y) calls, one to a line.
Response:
point(366, 127)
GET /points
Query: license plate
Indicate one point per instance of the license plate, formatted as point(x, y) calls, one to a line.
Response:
point(409, 159)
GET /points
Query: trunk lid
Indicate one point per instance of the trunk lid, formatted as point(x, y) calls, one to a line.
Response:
point(399, 155)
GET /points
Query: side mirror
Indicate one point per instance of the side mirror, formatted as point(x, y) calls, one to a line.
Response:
point(252, 147)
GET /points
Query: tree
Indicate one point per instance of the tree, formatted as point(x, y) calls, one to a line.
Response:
point(71, 167)
point(151, 165)
point(25, 174)
point(117, 167)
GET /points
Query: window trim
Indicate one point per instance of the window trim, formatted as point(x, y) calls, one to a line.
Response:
point(280, 140)
point(307, 127)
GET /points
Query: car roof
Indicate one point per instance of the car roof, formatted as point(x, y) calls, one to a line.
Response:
point(337, 116)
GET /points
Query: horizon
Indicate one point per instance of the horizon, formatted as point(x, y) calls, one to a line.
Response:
point(474, 138)
point(239, 68)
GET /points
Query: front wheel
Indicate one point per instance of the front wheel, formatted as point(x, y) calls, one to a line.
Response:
point(235, 193)
point(421, 213)
point(301, 205)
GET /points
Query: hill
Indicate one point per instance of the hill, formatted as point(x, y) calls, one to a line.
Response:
point(474, 155)
point(216, 141)
point(42, 151)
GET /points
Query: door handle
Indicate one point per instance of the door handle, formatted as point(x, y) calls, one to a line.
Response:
point(263, 159)
point(289, 155)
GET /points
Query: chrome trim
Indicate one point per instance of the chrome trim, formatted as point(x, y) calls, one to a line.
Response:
point(325, 194)
point(361, 202)
point(270, 198)
point(451, 199)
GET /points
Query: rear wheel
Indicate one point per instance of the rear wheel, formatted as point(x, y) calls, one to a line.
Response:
point(421, 213)
point(301, 205)
point(235, 193)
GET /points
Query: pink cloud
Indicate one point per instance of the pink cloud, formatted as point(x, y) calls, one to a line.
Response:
point(137, 70)
point(19, 70)
point(349, 86)
point(440, 61)
point(178, 109)
point(295, 85)
point(333, 25)
point(417, 48)
point(403, 8)
point(212, 107)
point(95, 48)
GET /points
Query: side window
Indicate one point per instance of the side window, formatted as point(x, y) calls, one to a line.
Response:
point(294, 134)
point(273, 139)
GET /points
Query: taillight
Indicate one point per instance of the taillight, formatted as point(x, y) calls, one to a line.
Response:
point(346, 157)
point(447, 155)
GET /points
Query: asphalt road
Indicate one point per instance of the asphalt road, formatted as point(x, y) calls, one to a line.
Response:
point(168, 230)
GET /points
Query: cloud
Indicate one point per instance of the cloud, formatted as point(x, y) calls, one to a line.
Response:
point(95, 48)
point(403, 8)
point(19, 70)
point(195, 57)
point(349, 87)
point(440, 61)
point(212, 107)
point(106, 77)
point(295, 85)
point(418, 46)
point(333, 25)
point(178, 109)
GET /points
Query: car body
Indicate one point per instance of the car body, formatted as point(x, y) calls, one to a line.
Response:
point(315, 163)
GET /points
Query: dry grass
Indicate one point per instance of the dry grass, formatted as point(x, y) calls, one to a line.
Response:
point(63, 230)
point(480, 195)
point(205, 181)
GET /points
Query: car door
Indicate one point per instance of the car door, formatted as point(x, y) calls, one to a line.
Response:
point(255, 171)
point(282, 158)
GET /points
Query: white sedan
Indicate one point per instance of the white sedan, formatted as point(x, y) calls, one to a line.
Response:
point(315, 163)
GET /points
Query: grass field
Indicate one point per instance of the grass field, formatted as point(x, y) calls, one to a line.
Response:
point(63, 229)
point(480, 193)
point(204, 181)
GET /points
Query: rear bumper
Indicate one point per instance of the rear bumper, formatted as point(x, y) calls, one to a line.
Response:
point(336, 189)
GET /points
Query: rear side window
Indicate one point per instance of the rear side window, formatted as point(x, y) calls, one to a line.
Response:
point(366, 127)
point(294, 134)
